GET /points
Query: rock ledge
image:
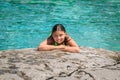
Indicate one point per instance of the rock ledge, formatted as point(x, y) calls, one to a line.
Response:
point(89, 64)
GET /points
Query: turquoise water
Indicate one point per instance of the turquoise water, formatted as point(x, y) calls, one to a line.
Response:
point(91, 23)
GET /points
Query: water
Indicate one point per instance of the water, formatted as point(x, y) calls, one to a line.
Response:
point(26, 23)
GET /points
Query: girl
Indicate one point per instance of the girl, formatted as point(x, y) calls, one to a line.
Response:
point(59, 40)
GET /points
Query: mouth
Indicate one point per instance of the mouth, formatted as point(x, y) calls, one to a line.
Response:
point(59, 41)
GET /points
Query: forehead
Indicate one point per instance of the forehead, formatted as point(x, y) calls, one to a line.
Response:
point(58, 32)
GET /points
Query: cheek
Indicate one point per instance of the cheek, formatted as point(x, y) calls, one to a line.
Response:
point(55, 38)
point(63, 37)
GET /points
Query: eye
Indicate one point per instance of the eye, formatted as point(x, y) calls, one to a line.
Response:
point(61, 34)
point(55, 36)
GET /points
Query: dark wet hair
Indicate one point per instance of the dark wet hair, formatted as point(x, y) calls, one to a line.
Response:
point(58, 27)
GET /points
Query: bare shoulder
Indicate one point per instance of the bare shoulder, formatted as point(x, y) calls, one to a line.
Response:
point(71, 42)
point(68, 38)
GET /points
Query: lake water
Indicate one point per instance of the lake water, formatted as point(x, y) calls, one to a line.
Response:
point(91, 23)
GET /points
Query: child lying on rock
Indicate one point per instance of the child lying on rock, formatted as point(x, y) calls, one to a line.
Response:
point(59, 40)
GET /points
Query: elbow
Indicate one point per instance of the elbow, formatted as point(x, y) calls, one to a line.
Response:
point(42, 48)
point(38, 49)
point(78, 50)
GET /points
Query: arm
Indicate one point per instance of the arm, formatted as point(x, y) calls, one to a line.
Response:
point(72, 47)
point(46, 47)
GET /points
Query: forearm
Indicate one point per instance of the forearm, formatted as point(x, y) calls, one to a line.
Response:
point(61, 47)
point(71, 49)
point(47, 48)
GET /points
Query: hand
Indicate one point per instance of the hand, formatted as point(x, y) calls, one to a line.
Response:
point(61, 47)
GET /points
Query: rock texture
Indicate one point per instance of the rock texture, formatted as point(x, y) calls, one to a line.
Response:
point(89, 64)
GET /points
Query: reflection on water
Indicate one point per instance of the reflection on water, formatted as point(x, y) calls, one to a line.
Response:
point(26, 23)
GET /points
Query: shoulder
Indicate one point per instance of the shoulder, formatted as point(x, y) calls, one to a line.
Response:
point(70, 41)
point(68, 38)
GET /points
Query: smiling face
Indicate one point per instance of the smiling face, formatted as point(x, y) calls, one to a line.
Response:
point(59, 36)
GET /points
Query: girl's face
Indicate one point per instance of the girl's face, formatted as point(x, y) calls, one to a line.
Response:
point(59, 36)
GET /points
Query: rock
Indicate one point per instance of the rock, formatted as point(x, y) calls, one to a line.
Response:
point(30, 64)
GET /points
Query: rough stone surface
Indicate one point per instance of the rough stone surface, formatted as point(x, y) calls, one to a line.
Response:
point(89, 64)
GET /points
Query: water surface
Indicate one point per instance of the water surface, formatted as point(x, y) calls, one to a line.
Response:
point(24, 24)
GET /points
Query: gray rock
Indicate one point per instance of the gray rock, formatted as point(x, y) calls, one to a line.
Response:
point(30, 64)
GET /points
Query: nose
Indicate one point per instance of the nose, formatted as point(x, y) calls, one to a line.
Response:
point(58, 37)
